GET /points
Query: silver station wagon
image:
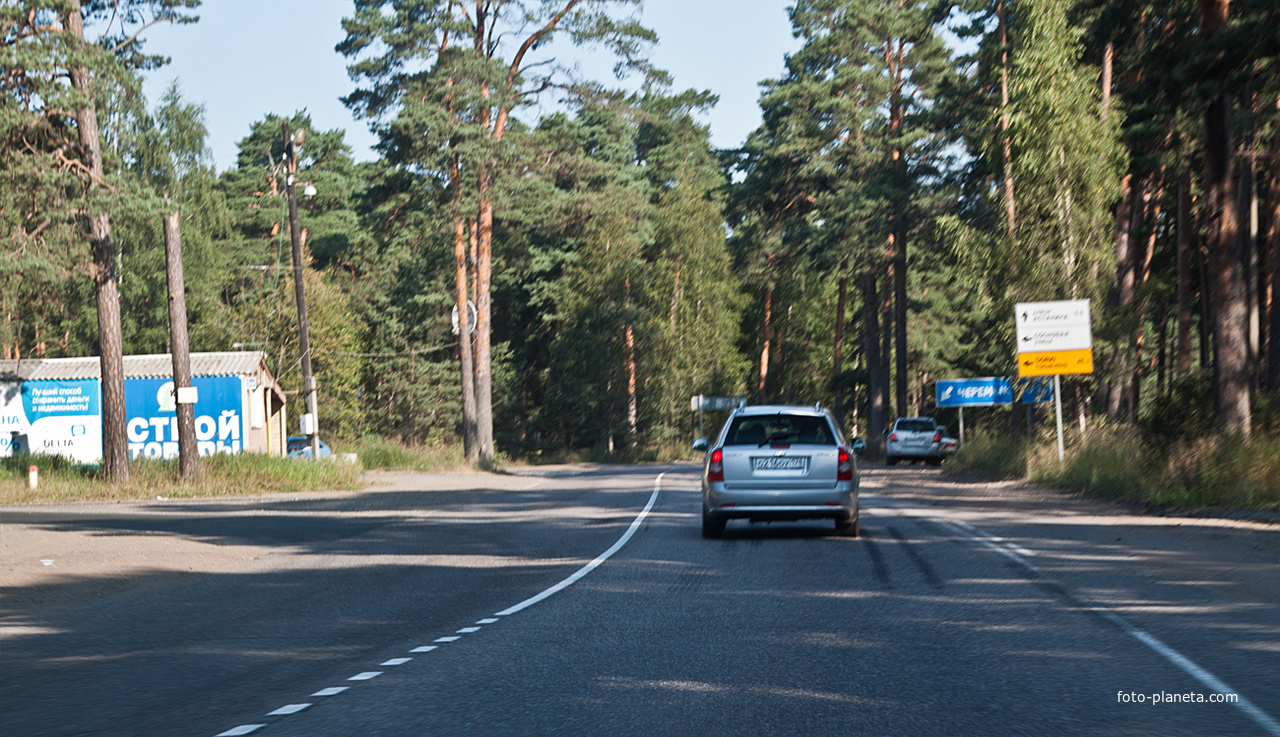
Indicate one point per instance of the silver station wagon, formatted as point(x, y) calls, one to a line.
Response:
point(778, 462)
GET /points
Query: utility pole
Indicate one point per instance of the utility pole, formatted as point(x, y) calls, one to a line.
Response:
point(310, 420)
point(180, 349)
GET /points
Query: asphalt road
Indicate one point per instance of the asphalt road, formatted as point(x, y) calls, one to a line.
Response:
point(964, 609)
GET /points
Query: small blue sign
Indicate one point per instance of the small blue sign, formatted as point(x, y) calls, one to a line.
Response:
point(990, 391)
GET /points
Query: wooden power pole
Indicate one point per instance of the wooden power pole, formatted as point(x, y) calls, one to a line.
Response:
point(310, 421)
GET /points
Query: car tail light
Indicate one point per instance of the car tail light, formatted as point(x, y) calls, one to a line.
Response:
point(894, 437)
point(937, 437)
point(844, 466)
point(715, 469)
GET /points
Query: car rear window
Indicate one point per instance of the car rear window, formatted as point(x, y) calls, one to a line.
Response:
point(915, 426)
point(779, 428)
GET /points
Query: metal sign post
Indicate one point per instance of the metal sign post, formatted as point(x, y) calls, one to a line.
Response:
point(1057, 400)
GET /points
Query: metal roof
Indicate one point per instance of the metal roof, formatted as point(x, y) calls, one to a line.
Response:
point(227, 363)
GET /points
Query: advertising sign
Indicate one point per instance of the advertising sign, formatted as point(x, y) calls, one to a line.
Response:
point(53, 417)
point(152, 425)
point(989, 391)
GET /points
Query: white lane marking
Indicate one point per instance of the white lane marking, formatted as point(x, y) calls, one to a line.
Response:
point(468, 630)
point(331, 691)
point(395, 661)
point(572, 579)
point(1185, 664)
point(452, 638)
point(489, 620)
point(424, 649)
point(242, 729)
point(287, 709)
point(365, 675)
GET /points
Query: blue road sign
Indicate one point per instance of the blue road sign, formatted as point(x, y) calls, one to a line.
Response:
point(990, 391)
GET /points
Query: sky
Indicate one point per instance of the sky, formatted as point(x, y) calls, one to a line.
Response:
point(247, 58)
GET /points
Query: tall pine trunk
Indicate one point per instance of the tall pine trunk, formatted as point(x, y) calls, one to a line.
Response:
point(1184, 276)
point(1273, 266)
point(871, 352)
point(106, 286)
point(470, 445)
point(1228, 288)
point(1006, 142)
point(1118, 403)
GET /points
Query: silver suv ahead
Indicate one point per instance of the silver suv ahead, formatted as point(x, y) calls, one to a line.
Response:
point(915, 438)
point(778, 462)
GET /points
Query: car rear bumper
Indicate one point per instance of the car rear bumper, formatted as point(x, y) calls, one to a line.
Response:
point(839, 501)
point(900, 451)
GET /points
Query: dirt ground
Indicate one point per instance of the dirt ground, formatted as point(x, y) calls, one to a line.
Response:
point(34, 558)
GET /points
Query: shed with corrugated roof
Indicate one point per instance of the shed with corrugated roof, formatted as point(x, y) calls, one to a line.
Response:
point(53, 405)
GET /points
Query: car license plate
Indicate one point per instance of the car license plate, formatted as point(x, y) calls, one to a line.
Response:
point(773, 463)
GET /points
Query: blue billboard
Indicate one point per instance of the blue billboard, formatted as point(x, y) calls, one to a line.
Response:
point(991, 391)
point(152, 424)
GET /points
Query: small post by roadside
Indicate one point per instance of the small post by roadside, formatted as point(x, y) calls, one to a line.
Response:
point(33, 476)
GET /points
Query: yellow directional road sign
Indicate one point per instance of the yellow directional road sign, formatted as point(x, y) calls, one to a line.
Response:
point(1048, 363)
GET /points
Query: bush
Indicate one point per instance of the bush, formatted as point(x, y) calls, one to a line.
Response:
point(1200, 472)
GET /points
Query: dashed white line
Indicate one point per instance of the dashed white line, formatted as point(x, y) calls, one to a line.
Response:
point(1185, 664)
point(242, 729)
point(287, 709)
point(606, 555)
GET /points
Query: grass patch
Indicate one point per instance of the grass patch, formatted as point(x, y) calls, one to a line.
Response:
point(1114, 462)
point(375, 453)
point(994, 455)
point(220, 475)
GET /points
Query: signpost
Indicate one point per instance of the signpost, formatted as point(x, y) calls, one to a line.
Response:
point(1054, 338)
point(988, 392)
point(700, 402)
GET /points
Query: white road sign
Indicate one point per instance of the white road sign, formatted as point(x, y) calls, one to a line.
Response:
point(1052, 314)
point(1053, 326)
point(1066, 338)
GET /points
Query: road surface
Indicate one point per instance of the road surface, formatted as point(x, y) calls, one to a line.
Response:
point(582, 600)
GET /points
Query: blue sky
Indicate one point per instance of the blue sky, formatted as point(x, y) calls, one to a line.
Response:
point(247, 58)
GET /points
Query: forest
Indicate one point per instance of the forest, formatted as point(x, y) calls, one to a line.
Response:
point(921, 166)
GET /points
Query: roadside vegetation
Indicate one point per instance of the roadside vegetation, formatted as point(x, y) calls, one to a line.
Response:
point(61, 480)
point(1114, 462)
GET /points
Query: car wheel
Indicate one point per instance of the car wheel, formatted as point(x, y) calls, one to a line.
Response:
point(891, 460)
point(935, 462)
point(712, 527)
point(847, 526)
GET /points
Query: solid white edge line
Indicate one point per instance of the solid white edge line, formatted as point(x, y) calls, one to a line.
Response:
point(572, 579)
point(1185, 664)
